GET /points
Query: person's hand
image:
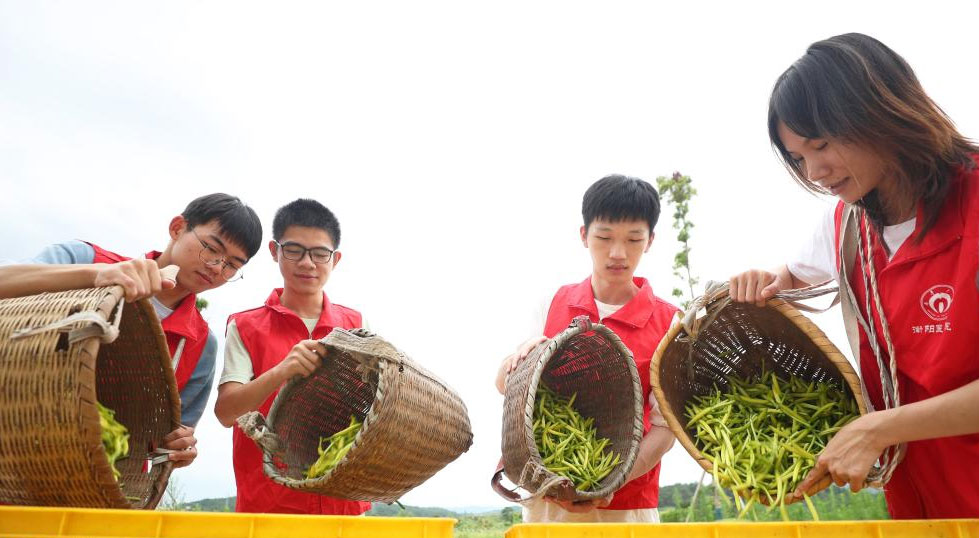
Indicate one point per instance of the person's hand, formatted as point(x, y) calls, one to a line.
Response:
point(184, 445)
point(139, 278)
point(303, 359)
point(523, 350)
point(757, 286)
point(580, 507)
point(848, 456)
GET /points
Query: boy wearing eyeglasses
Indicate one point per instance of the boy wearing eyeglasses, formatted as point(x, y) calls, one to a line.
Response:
point(210, 241)
point(268, 345)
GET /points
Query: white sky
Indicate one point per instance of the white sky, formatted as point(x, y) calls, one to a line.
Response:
point(454, 141)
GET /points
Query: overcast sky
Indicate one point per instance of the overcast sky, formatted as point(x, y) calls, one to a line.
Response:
point(453, 140)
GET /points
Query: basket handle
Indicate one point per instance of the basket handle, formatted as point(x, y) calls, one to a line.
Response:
point(254, 426)
point(508, 494)
point(582, 322)
point(512, 495)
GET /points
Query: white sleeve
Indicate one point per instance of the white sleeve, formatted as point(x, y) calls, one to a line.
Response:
point(237, 361)
point(815, 261)
point(539, 321)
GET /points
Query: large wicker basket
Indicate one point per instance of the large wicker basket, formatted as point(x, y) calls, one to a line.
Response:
point(588, 360)
point(740, 340)
point(413, 424)
point(53, 369)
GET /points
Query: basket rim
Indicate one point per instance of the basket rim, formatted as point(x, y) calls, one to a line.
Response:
point(797, 318)
point(106, 307)
point(554, 345)
point(387, 369)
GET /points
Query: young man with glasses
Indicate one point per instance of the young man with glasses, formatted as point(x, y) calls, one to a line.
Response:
point(209, 242)
point(269, 345)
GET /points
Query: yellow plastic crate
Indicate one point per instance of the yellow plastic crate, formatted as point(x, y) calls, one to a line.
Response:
point(942, 528)
point(17, 521)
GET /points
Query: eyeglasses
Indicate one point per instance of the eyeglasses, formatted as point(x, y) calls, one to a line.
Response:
point(211, 256)
point(295, 252)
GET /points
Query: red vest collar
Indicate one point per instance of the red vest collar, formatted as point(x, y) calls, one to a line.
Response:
point(328, 317)
point(948, 228)
point(634, 313)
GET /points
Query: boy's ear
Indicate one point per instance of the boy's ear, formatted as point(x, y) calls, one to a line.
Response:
point(650, 242)
point(178, 225)
point(584, 236)
point(274, 250)
point(336, 258)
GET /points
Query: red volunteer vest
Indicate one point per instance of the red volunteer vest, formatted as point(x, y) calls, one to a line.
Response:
point(929, 294)
point(184, 324)
point(641, 324)
point(268, 333)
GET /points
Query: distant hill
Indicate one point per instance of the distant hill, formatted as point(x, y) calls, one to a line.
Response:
point(668, 497)
point(227, 504)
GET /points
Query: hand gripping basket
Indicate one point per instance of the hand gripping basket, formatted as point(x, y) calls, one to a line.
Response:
point(59, 353)
point(413, 424)
point(740, 339)
point(588, 360)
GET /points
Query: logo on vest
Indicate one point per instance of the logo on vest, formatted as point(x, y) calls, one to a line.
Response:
point(936, 301)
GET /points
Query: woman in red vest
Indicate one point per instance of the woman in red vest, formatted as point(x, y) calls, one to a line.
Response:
point(850, 119)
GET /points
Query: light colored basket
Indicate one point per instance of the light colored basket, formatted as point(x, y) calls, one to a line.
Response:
point(413, 424)
point(50, 439)
point(588, 360)
point(740, 340)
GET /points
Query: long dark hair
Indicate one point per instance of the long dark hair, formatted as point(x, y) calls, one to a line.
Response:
point(854, 88)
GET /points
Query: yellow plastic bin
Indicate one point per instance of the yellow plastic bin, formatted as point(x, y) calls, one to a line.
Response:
point(18, 521)
point(940, 528)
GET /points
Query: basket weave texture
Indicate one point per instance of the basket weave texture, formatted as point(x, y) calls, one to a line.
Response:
point(741, 341)
point(588, 360)
point(413, 423)
point(50, 439)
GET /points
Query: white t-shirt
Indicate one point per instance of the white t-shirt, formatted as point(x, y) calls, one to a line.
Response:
point(237, 360)
point(162, 311)
point(815, 261)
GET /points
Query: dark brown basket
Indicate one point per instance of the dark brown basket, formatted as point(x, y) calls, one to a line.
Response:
point(413, 424)
point(50, 440)
point(740, 339)
point(588, 360)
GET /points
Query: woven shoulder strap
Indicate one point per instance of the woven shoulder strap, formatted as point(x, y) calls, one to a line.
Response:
point(850, 247)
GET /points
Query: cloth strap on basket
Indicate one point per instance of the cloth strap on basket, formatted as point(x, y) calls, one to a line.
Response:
point(94, 326)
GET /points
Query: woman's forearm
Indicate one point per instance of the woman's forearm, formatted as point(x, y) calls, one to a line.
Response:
point(953, 413)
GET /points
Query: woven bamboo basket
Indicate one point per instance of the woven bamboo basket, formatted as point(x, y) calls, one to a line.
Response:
point(413, 424)
point(50, 439)
point(740, 340)
point(588, 360)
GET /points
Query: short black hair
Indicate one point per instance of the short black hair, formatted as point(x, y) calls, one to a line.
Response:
point(236, 220)
point(308, 213)
point(616, 198)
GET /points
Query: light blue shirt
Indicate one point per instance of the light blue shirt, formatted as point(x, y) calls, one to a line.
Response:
point(193, 398)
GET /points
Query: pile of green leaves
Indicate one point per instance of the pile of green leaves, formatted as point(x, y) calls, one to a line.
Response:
point(762, 437)
point(337, 447)
point(115, 438)
point(568, 443)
